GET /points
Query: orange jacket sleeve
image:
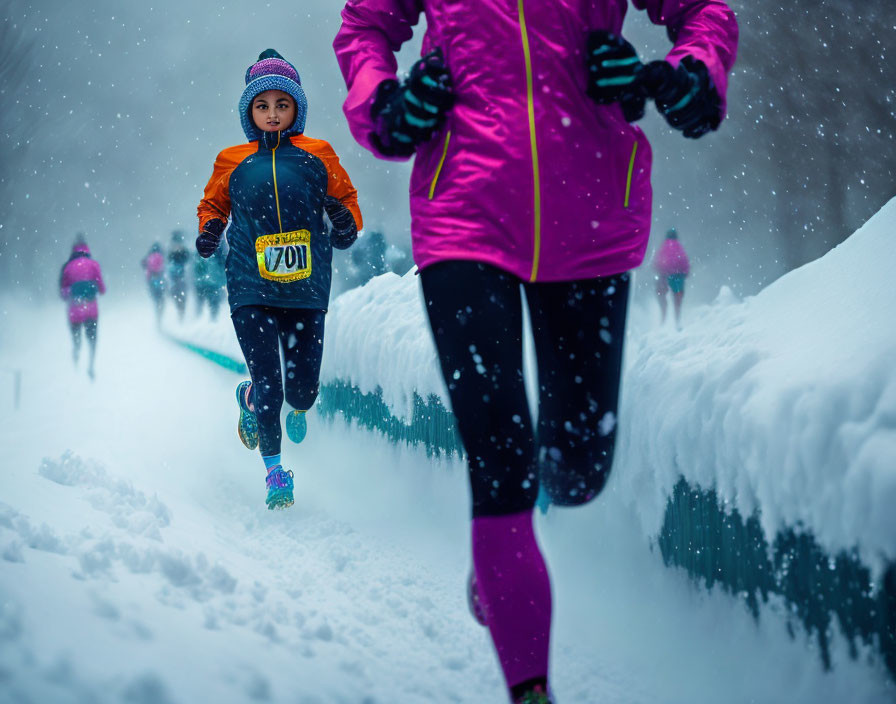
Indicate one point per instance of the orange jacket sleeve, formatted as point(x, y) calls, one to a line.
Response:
point(215, 201)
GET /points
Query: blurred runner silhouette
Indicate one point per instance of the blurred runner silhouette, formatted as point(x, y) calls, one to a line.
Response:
point(79, 284)
point(672, 268)
point(154, 267)
point(178, 256)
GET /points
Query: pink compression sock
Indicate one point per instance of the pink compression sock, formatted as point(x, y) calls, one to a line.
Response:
point(515, 589)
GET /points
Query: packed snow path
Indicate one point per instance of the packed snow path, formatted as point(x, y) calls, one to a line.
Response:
point(139, 564)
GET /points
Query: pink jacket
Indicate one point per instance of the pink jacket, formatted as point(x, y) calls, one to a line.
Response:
point(671, 259)
point(528, 173)
point(154, 265)
point(79, 285)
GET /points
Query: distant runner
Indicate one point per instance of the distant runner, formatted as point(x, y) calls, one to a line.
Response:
point(80, 282)
point(672, 268)
point(154, 267)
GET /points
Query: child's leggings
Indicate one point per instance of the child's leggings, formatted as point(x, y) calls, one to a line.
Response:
point(262, 331)
point(476, 314)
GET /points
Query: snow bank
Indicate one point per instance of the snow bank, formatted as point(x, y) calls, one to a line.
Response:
point(783, 403)
point(377, 336)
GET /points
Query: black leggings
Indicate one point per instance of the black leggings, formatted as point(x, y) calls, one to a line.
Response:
point(262, 331)
point(89, 326)
point(475, 311)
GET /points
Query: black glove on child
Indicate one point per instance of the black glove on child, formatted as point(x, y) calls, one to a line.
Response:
point(210, 237)
point(409, 113)
point(685, 96)
point(613, 72)
point(345, 231)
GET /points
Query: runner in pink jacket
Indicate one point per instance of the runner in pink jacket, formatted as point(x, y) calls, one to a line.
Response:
point(529, 174)
point(672, 268)
point(521, 118)
point(79, 284)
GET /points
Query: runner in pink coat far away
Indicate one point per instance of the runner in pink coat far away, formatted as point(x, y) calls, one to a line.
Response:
point(529, 178)
point(672, 268)
point(79, 284)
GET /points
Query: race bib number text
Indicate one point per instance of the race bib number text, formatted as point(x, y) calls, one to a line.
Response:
point(285, 256)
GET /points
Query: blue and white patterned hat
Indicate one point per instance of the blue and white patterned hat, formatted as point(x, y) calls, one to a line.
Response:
point(272, 72)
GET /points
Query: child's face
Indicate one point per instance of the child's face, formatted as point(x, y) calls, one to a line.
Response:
point(273, 111)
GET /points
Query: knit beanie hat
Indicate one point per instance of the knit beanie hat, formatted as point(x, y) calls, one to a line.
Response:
point(272, 72)
point(671, 234)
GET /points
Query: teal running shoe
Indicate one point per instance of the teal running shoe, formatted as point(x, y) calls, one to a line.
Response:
point(280, 488)
point(247, 427)
point(296, 426)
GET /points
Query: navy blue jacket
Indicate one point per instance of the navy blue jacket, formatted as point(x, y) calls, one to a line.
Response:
point(273, 192)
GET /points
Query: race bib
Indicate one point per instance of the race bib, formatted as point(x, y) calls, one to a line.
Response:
point(285, 256)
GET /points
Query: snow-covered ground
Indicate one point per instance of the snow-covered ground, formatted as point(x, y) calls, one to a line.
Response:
point(138, 563)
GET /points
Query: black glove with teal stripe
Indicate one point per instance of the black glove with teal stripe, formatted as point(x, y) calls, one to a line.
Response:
point(685, 96)
point(613, 72)
point(345, 231)
point(409, 113)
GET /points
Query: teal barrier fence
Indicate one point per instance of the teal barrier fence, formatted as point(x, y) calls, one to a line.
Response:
point(223, 360)
point(724, 548)
point(715, 546)
point(431, 425)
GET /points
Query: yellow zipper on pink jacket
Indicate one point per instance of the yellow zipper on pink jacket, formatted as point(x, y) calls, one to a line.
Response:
point(536, 176)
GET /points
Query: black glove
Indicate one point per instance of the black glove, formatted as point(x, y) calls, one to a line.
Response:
point(210, 237)
point(345, 231)
point(408, 114)
point(613, 72)
point(685, 96)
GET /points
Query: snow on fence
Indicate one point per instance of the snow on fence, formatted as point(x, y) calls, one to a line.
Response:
point(758, 446)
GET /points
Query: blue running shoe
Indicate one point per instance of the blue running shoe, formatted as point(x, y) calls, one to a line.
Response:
point(296, 426)
point(280, 488)
point(248, 424)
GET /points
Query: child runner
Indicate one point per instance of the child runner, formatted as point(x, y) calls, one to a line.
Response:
point(79, 283)
point(672, 268)
point(154, 267)
point(275, 190)
point(527, 183)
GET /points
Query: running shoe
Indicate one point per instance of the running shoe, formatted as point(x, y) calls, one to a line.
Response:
point(280, 488)
point(248, 424)
point(296, 426)
point(536, 695)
